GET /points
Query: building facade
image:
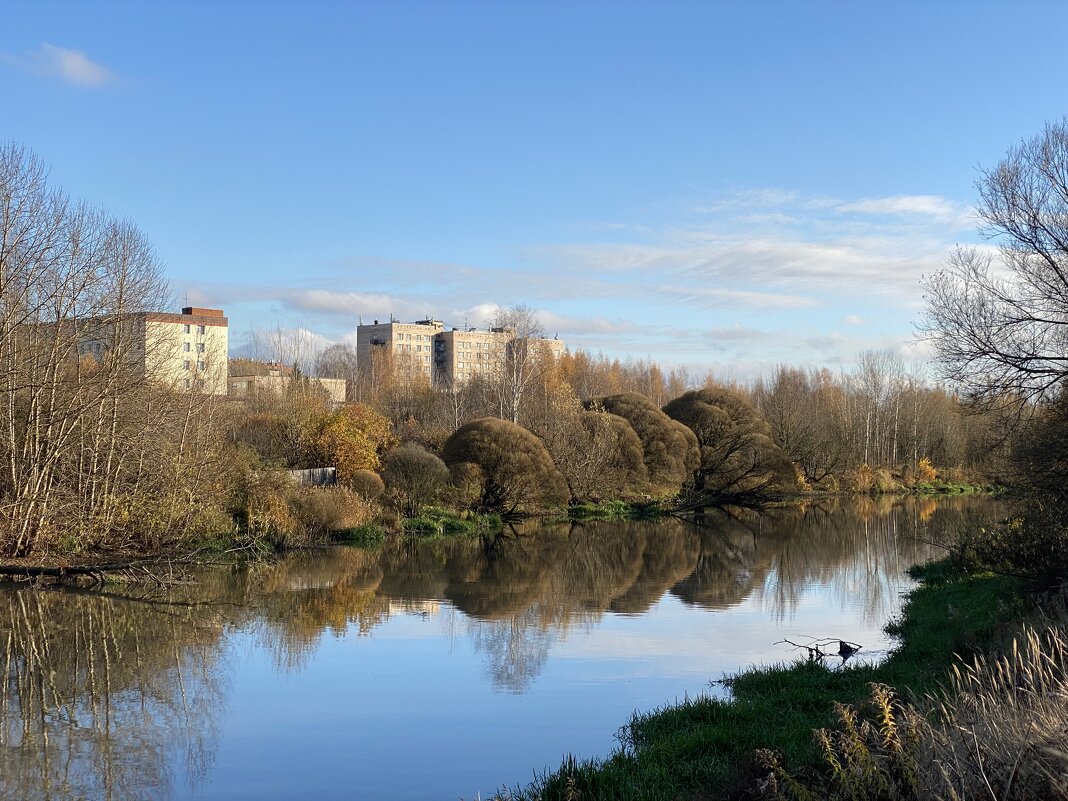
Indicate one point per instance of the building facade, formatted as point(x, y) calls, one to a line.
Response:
point(184, 351)
point(411, 345)
point(426, 348)
point(276, 379)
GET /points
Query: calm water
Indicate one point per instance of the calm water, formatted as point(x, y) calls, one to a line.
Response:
point(428, 671)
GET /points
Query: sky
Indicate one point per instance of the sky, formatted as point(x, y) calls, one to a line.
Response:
point(721, 186)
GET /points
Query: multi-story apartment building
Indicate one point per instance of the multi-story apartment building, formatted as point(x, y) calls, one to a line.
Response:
point(276, 378)
point(185, 351)
point(427, 348)
point(411, 345)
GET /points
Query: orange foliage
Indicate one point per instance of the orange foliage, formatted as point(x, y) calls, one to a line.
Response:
point(354, 438)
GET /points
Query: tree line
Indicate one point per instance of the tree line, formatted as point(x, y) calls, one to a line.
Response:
point(97, 456)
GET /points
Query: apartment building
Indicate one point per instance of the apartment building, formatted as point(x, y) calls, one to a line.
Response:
point(185, 351)
point(275, 378)
point(411, 345)
point(456, 354)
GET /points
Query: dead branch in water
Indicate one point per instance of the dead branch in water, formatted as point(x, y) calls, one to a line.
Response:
point(815, 648)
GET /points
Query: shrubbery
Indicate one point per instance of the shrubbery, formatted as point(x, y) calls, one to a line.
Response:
point(518, 473)
point(414, 478)
point(669, 449)
point(738, 456)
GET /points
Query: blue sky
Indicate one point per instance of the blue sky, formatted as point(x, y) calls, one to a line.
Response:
point(723, 186)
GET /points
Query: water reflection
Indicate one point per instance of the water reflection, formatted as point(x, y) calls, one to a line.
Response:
point(119, 695)
point(100, 693)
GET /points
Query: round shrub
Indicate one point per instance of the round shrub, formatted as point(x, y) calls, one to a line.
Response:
point(367, 484)
point(414, 477)
point(518, 473)
point(738, 455)
point(670, 450)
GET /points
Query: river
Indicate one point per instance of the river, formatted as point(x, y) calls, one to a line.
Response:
point(431, 670)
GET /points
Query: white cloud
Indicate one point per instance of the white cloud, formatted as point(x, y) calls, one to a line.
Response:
point(939, 210)
point(718, 297)
point(766, 278)
point(70, 66)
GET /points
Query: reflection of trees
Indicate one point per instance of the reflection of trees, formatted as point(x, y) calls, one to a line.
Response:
point(99, 691)
point(308, 594)
point(521, 589)
point(516, 648)
point(862, 550)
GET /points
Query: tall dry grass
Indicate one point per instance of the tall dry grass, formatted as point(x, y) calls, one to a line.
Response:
point(998, 732)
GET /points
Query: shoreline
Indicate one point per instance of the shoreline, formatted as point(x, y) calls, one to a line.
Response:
point(706, 747)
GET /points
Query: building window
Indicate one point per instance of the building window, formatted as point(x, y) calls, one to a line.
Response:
point(200, 329)
point(185, 347)
point(187, 364)
point(200, 347)
point(200, 365)
point(187, 328)
point(188, 383)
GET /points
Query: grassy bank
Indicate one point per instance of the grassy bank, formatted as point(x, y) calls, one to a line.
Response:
point(432, 523)
point(614, 510)
point(703, 748)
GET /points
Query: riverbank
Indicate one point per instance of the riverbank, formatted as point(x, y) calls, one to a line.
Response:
point(704, 748)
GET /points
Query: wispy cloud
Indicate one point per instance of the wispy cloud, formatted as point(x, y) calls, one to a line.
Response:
point(70, 66)
point(933, 206)
point(747, 281)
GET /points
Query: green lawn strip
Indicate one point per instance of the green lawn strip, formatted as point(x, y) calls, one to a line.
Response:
point(702, 748)
point(435, 522)
point(614, 510)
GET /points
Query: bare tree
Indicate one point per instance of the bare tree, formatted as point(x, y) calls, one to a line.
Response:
point(999, 325)
point(806, 415)
point(339, 361)
point(94, 440)
point(521, 358)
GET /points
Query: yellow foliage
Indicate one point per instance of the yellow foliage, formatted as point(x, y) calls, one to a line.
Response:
point(863, 479)
point(925, 471)
point(353, 438)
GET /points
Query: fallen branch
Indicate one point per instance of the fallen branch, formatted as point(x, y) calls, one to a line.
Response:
point(135, 569)
point(816, 652)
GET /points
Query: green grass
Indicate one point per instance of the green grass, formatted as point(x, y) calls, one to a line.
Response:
point(435, 522)
point(938, 487)
point(613, 510)
point(702, 748)
point(369, 535)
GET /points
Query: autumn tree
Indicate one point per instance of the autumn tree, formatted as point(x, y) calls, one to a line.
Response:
point(598, 453)
point(95, 449)
point(738, 455)
point(414, 477)
point(670, 449)
point(519, 360)
point(353, 438)
point(518, 474)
